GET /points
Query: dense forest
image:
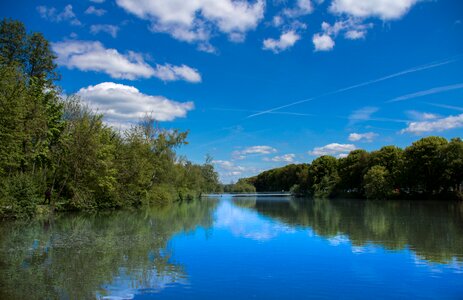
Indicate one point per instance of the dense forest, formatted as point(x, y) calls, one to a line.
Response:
point(430, 168)
point(55, 152)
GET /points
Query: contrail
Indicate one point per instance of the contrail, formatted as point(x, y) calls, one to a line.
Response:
point(446, 106)
point(435, 90)
point(273, 112)
point(431, 65)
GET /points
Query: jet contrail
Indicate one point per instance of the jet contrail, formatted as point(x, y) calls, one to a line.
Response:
point(273, 112)
point(446, 106)
point(431, 65)
point(435, 90)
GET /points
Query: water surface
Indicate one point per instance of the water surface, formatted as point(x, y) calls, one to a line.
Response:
point(239, 248)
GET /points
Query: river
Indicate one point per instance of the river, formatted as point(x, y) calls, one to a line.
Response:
point(226, 247)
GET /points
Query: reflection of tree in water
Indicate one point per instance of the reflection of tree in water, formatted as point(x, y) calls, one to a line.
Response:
point(433, 230)
point(75, 255)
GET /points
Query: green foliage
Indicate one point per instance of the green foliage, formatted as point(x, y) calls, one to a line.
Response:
point(19, 196)
point(430, 168)
point(242, 186)
point(61, 151)
point(377, 183)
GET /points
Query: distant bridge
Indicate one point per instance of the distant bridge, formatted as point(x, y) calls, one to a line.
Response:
point(268, 194)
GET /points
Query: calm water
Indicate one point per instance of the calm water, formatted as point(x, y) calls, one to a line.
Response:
point(240, 248)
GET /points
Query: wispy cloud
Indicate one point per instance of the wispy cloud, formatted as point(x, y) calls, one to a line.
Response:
point(241, 154)
point(333, 149)
point(432, 91)
point(112, 30)
point(437, 125)
point(51, 14)
point(368, 136)
point(274, 112)
point(288, 158)
point(431, 65)
point(457, 108)
point(91, 10)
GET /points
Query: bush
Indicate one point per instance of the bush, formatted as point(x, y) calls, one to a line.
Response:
point(19, 196)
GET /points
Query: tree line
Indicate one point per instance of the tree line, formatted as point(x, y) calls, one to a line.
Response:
point(430, 168)
point(56, 151)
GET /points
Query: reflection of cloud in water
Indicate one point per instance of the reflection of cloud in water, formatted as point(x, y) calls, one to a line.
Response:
point(338, 240)
point(454, 265)
point(248, 224)
point(124, 286)
point(364, 249)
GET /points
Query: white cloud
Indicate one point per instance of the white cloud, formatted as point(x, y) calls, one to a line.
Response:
point(93, 56)
point(258, 150)
point(368, 136)
point(421, 116)
point(436, 125)
point(322, 42)
point(283, 158)
point(302, 8)
point(97, 1)
point(169, 73)
point(109, 29)
point(286, 40)
point(383, 9)
point(51, 14)
point(355, 34)
point(123, 104)
point(195, 21)
point(332, 149)
point(91, 10)
point(363, 114)
point(353, 29)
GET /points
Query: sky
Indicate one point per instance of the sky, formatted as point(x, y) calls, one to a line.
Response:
point(261, 84)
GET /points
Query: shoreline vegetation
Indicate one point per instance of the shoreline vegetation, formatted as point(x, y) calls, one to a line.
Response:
point(429, 169)
point(56, 154)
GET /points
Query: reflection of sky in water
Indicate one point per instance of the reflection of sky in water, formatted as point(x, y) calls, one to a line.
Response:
point(124, 286)
point(248, 223)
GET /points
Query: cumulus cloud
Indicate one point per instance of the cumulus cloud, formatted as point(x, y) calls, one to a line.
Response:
point(436, 125)
point(383, 9)
point(283, 158)
point(93, 56)
point(123, 104)
point(368, 136)
point(112, 30)
point(92, 10)
point(332, 149)
point(170, 73)
point(51, 14)
point(286, 40)
point(195, 21)
point(322, 42)
point(352, 28)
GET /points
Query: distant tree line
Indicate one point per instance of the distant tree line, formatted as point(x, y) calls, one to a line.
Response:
point(241, 186)
point(60, 153)
point(430, 168)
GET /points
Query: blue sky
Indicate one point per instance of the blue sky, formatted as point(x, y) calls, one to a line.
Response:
point(258, 83)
